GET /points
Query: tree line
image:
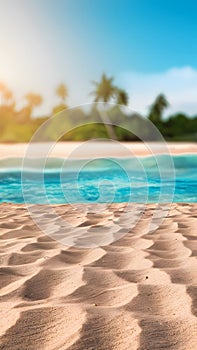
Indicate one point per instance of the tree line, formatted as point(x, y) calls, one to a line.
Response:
point(19, 125)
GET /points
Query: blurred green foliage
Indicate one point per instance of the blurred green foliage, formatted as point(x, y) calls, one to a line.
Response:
point(19, 125)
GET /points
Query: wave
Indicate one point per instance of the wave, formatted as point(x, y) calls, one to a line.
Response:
point(186, 161)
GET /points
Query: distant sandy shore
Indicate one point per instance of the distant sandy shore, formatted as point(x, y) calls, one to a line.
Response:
point(137, 293)
point(64, 149)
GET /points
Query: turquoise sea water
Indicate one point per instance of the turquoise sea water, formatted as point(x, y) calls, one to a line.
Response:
point(142, 180)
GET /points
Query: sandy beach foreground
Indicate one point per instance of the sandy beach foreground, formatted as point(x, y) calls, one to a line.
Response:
point(139, 292)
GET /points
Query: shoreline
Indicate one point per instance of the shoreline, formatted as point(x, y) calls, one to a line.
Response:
point(101, 149)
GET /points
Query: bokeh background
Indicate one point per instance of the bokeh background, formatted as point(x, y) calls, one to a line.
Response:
point(63, 53)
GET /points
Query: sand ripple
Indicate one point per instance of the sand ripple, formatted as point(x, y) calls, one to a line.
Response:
point(138, 293)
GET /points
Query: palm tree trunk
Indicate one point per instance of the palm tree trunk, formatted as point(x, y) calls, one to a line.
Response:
point(108, 125)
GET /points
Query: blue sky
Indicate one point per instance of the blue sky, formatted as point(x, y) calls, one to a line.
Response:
point(143, 35)
point(149, 46)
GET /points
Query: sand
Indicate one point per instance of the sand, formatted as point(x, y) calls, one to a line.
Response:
point(137, 293)
point(140, 292)
point(116, 149)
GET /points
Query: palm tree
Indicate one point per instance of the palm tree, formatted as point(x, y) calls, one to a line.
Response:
point(62, 92)
point(6, 94)
point(122, 97)
point(34, 100)
point(104, 90)
point(157, 109)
